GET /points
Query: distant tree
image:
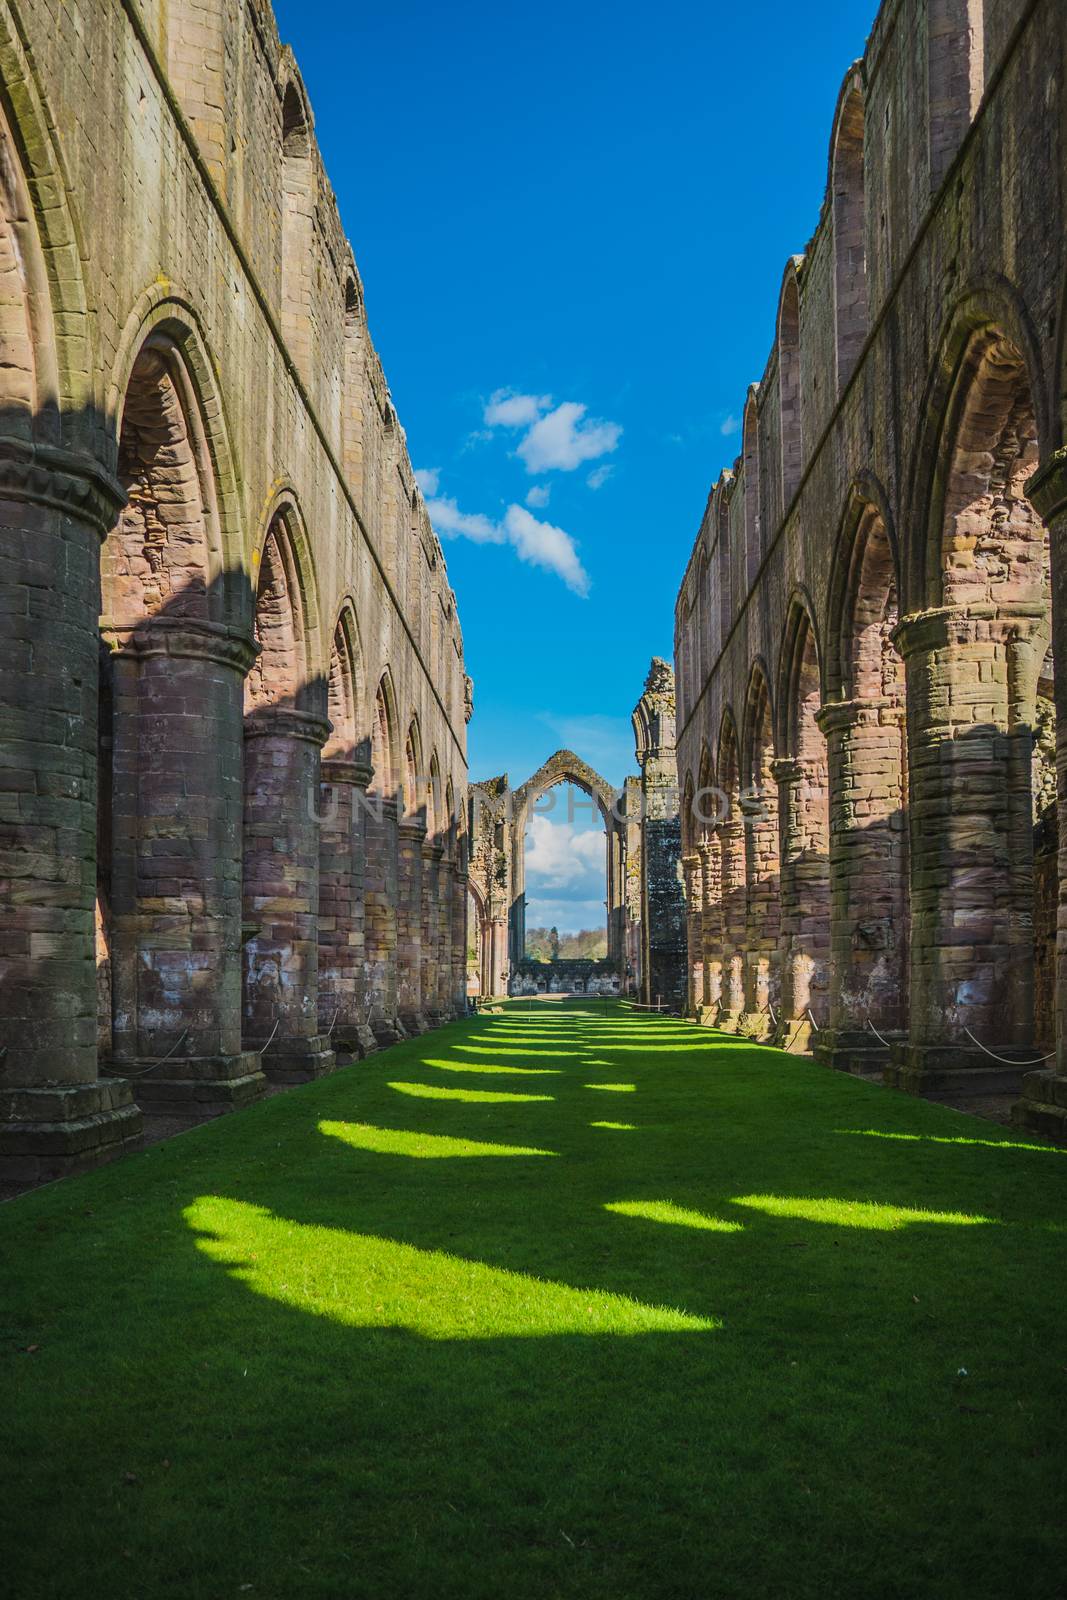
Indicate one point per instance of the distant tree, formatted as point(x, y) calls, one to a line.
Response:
point(553, 944)
point(589, 944)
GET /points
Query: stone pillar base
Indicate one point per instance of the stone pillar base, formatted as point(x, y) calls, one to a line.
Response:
point(48, 1133)
point(354, 1039)
point(1043, 1107)
point(755, 1025)
point(794, 1034)
point(949, 1069)
point(198, 1087)
point(299, 1060)
point(387, 1031)
point(414, 1023)
point(708, 1016)
point(729, 1021)
point(851, 1050)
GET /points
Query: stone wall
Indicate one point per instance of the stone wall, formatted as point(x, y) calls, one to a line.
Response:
point(864, 634)
point(225, 616)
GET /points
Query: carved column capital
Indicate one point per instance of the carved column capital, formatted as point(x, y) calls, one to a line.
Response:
point(190, 637)
point(283, 722)
point(787, 770)
point(46, 475)
point(357, 774)
point(840, 716)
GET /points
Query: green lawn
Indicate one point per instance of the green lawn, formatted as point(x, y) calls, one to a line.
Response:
point(563, 1301)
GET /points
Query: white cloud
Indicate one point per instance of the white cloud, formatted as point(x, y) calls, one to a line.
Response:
point(562, 440)
point(538, 495)
point(599, 476)
point(428, 479)
point(731, 425)
point(558, 856)
point(543, 545)
point(453, 523)
point(539, 544)
point(506, 409)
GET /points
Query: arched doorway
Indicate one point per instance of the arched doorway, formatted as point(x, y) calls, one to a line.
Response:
point(599, 807)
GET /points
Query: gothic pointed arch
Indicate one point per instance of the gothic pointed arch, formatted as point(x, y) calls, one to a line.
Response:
point(790, 397)
point(849, 225)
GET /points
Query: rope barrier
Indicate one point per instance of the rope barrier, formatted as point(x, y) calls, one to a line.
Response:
point(1038, 1061)
point(139, 1072)
point(812, 1020)
point(877, 1035)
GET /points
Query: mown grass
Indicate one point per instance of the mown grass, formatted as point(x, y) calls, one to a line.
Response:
point(435, 1327)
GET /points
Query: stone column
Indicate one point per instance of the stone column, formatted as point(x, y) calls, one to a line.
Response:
point(343, 1000)
point(731, 836)
point(1043, 1105)
point(380, 898)
point(498, 956)
point(446, 898)
point(432, 856)
point(762, 975)
point(176, 809)
point(56, 1113)
point(868, 883)
point(969, 782)
point(694, 889)
point(711, 930)
point(804, 903)
point(411, 836)
point(281, 892)
point(459, 941)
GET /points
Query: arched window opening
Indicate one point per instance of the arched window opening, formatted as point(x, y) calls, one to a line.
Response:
point(992, 727)
point(850, 270)
point(298, 241)
point(804, 822)
point(866, 741)
point(750, 467)
point(384, 781)
point(792, 452)
point(567, 866)
point(352, 390)
point(155, 570)
point(955, 77)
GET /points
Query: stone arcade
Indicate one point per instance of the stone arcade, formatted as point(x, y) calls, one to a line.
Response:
point(869, 635)
point(233, 774)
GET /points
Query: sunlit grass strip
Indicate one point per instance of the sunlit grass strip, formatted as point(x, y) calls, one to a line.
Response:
point(619, 1127)
point(364, 1281)
point(678, 1216)
point(421, 1146)
point(853, 1213)
point(507, 1050)
point(485, 1097)
point(940, 1138)
point(493, 1071)
point(613, 1088)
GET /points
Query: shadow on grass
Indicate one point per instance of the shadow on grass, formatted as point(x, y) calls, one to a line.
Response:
point(786, 1337)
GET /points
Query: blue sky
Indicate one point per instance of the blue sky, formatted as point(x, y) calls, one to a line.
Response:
point(584, 206)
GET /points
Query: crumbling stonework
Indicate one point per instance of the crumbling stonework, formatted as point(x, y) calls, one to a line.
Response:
point(865, 631)
point(224, 616)
point(662, 904)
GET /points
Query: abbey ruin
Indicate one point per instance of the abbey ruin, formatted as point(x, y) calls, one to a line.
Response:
point(871, 705)
point(235, 807)
point(233, 695)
